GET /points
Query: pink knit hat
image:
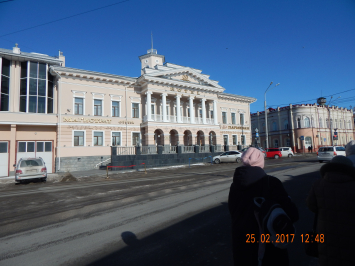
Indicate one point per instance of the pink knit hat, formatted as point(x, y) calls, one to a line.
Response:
point(253, 157)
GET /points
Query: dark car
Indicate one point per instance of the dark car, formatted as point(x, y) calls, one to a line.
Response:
point(273, 153)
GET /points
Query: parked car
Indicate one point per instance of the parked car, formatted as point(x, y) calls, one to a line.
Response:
point(30, 169)
point(329, 152)
point(273, 153)
point(286, 152)
point(228, 156)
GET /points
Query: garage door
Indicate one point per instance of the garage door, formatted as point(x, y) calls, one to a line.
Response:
point(36, 149)
point(4, 158)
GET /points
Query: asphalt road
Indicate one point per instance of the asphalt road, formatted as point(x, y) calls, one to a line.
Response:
point(167, 217)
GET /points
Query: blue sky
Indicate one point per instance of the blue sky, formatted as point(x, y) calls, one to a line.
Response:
point(305, 45)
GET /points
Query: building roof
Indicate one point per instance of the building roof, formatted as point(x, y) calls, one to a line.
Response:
point(22, 56)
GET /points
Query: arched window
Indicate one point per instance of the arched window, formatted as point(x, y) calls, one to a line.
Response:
point(298, 122)
point(327, 122)
point(286, 124)
point(306, 122)
point(274, 126)
point(276, 143)
point(320, 123)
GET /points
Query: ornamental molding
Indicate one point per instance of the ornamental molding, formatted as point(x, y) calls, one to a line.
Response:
point(186, 71)
point(135, 99)
point(115, 97)
point(224, 108)
point(180, 84)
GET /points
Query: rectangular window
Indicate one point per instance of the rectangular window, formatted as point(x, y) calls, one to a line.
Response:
point(233, 119)
point(97, 107)
point(288, 142)
point(135, 138)
point(98, 138)
point(242, 120)
point(116, 138)
point(211, 112)
point(224, 117)
point(48, 146)
point(22, 147)
point(235, 140)
point(167, 110)
point(4, 84)
point(31, 146)
point(135, 110)
point(243, 139)
point(152, 109)
point(78, 106)
point(40, 146)
point(36, 88)
point(115, 109)
point(225, 139)
point(79, 138)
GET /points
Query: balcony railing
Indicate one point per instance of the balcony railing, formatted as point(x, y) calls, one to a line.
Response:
point(169, 149)
point(204, 148)
point(188, 149)
point(149, 149)
point(128, 150)
point(173, 119)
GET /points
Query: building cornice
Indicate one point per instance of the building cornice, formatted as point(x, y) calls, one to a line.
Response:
point(97, 76)
point(176, 83)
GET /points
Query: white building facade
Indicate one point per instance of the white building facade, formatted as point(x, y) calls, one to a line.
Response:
point(69, 115)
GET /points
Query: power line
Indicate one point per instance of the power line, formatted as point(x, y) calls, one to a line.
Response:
point(82, 13)
point(307, 101)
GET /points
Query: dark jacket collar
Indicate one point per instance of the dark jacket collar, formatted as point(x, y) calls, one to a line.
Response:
point(248, 175)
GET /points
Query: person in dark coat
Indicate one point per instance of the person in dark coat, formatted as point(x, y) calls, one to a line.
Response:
point(247, 184)
point(333, 198)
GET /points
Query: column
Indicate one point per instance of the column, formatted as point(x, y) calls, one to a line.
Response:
point(163, 96)
point(149, 105)
point(215, 115)
point(203, 101)
point(192, 111)
point(178, 113)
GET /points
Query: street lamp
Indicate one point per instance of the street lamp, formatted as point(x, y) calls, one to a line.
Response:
point(266, 130)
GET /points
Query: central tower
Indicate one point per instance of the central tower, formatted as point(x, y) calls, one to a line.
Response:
point(151, 59)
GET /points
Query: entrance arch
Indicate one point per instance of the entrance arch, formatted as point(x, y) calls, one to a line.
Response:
point(187, 138)
point(159, 137)
point(212, 138)
point(174, 137)
point(200, 138)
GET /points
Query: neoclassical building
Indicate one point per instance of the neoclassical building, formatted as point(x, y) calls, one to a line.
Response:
point(315, 123)
point(66, 115)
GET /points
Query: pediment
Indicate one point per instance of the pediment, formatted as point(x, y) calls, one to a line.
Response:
point(185, 75)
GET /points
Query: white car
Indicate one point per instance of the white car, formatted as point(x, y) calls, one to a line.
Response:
point(228, 157)
point(286, 151)
point(29, 169)
point(329, 152)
